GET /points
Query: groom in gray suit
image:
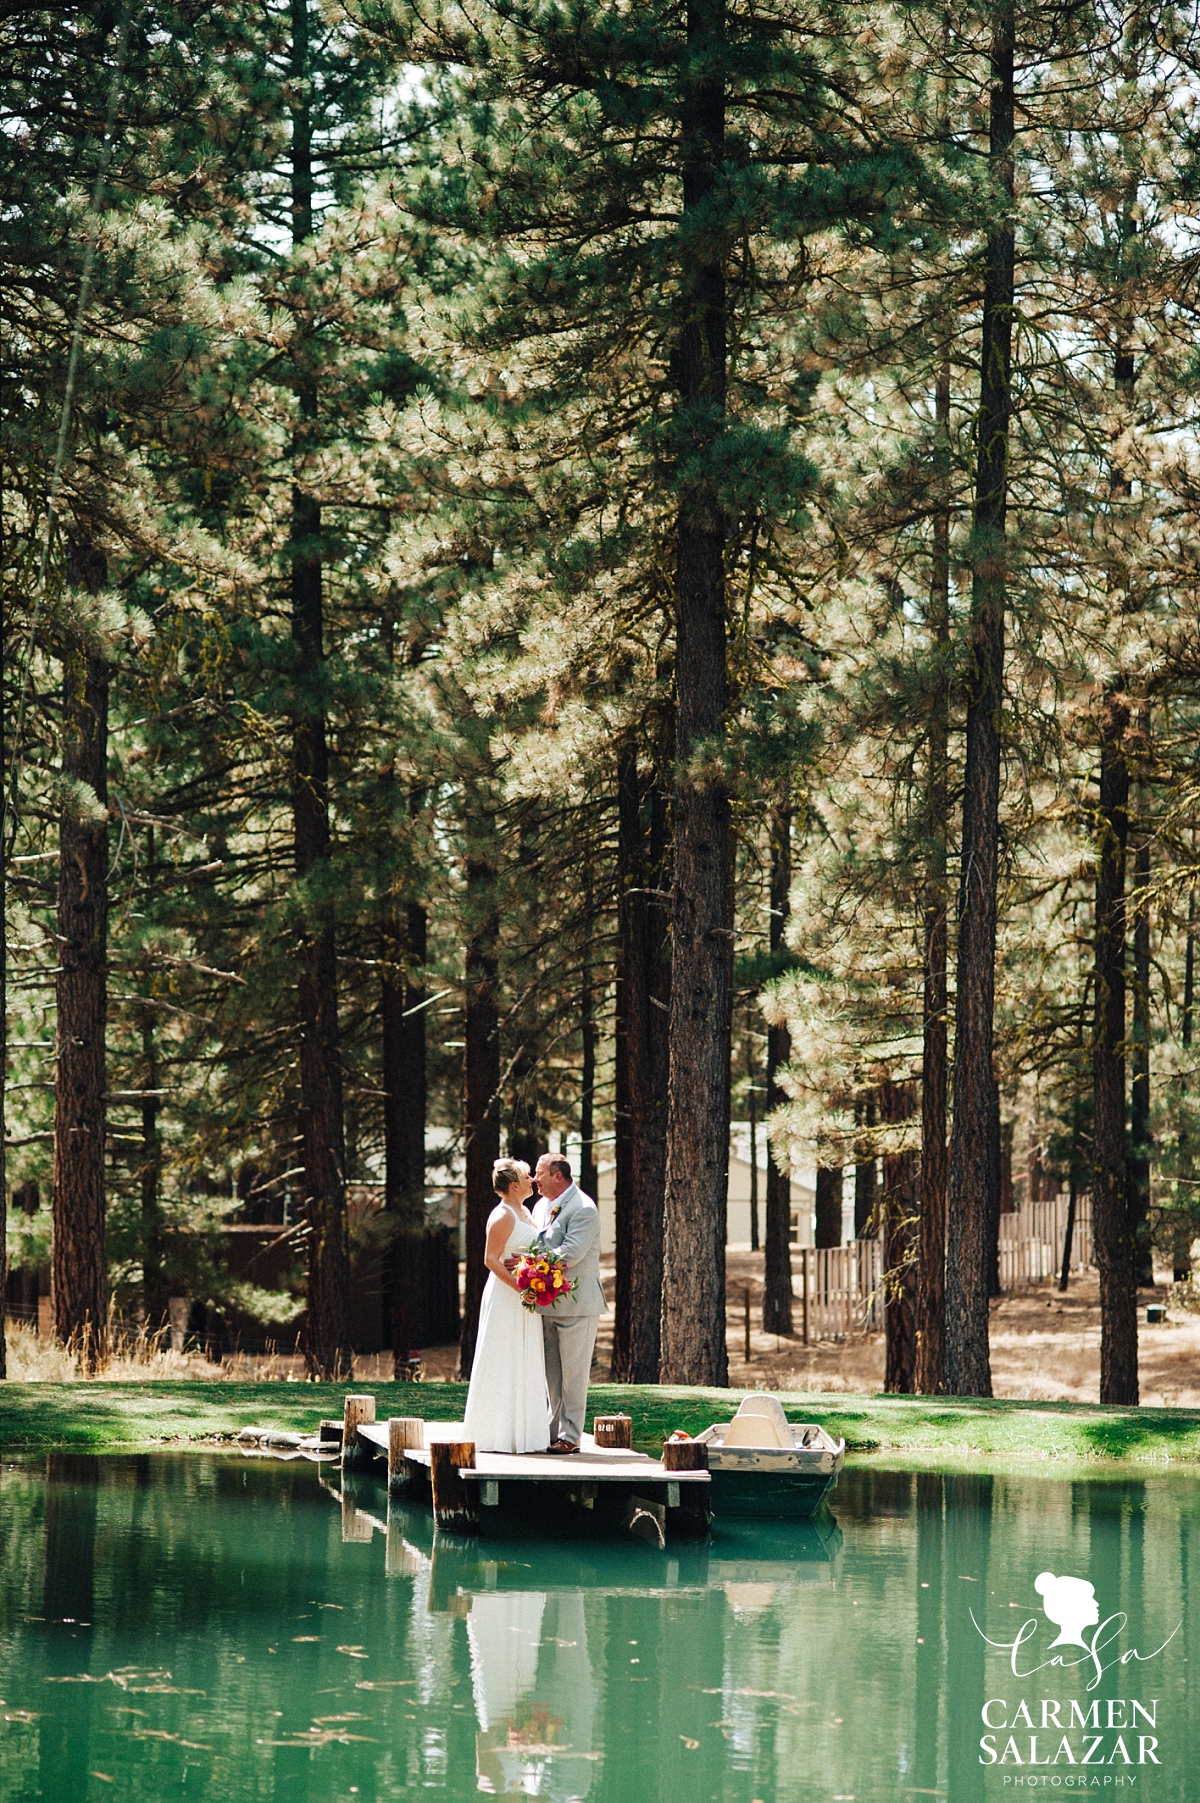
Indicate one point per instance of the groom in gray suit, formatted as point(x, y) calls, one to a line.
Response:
point(569, 1223)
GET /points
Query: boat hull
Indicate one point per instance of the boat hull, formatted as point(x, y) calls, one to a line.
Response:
point(769, 1495)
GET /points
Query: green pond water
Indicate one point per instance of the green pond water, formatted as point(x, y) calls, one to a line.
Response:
point(190, 1625)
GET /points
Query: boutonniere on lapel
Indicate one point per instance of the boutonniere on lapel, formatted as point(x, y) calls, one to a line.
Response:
point(555, 1212)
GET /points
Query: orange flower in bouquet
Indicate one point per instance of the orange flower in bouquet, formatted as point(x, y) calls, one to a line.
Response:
point(542, 1279)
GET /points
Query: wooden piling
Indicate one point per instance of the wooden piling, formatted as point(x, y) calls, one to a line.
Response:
point(447, 1571)
point(613, 1430)
point(355, 1527)
point(405, 1432)
point(356, 1411)
point(455, 1504)
point(400, 1559)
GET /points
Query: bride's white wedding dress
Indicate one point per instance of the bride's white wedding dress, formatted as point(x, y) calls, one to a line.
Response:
point(507, 1409)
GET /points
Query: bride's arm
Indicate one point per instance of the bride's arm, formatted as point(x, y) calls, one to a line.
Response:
point(493, 1253)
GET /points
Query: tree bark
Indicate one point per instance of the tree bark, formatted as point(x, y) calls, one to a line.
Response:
point(402, 993)
point(929, 1377)
point(777, 1247)
point(154, 1283)
point(589, 1176)
point(995, 1198)
point(752, 1111)
point(864, 1170)
point(972, 1169)
point(327, 1342)
point(7, 830)
point(1112, 1220)
point(1139, 1069)
point(829, 1205)
point(643, 1001)
point(327, 1349)
point(1181, 1253)
point(900, 1248)
point(693, 1318)
point(481, 1090)
point(79, 1264)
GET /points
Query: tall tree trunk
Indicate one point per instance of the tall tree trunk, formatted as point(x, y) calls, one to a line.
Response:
point(527, 1137)
point(154, 1284)
point(643, 1000)
point(693, 1304)
point(995, 1196)
point(481, 1089)
point(402, 996)
point(1139, 1065)
point(829, 1205)
point(864, 1169)
point(899, 1235)
point(1189, 970)
point(1112, 1218)
point(930, 1373)
point(80, 1270)
point(327, 1339)
point(972, 1169)
point(588, 1173)
point(755, 1240)
point(1181, 1252)
point(777, 1247)
point(7, 829)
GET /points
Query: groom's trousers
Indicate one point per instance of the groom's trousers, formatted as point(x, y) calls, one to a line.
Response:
point(569, 1347)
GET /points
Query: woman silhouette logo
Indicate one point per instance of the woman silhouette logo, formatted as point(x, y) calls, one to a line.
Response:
point(1070, 1603)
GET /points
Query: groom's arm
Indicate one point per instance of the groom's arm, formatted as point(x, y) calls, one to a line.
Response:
point(583, 1231)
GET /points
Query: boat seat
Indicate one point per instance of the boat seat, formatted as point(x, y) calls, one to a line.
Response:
point(760, 1421)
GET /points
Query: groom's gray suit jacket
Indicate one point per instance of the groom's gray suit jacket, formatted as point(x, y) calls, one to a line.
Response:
point(575, 1233)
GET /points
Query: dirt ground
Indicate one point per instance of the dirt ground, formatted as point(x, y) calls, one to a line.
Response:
point(1045, 1347)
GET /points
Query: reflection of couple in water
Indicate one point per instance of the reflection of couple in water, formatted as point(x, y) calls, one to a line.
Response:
point(1070, 1603)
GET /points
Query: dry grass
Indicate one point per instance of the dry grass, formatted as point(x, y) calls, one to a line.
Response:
point(1045, 1348)
point(137, 1358)
point(141, 1358)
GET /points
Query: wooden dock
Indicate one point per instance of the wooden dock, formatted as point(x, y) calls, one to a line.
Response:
point(598, 1489)
point(759, 1466)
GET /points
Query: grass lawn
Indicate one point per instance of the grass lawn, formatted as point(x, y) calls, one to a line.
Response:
point(109, 1417)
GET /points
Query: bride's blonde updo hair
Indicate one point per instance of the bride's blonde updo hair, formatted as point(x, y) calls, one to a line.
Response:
point(506, 1172)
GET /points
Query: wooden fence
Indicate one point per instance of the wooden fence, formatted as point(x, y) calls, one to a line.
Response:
point(1031, 1241)
point(839, 1291)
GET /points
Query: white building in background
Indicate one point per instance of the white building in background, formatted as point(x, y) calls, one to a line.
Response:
point(737, 1233)
point(445, 1172)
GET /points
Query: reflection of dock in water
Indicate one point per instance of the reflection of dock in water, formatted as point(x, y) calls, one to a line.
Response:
point(559, 1631)
point(756, 1554)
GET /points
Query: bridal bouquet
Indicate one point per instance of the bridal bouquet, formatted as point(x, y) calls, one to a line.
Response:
point(542, 1277)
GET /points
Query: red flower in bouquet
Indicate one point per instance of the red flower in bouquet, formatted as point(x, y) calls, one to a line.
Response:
point(542, 1279)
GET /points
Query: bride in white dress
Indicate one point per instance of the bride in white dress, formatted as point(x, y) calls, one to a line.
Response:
point(507, 1410)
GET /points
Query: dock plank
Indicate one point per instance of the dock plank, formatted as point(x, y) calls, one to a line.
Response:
point(594, 1464)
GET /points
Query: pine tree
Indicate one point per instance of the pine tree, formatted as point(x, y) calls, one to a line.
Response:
point(972, 1194)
